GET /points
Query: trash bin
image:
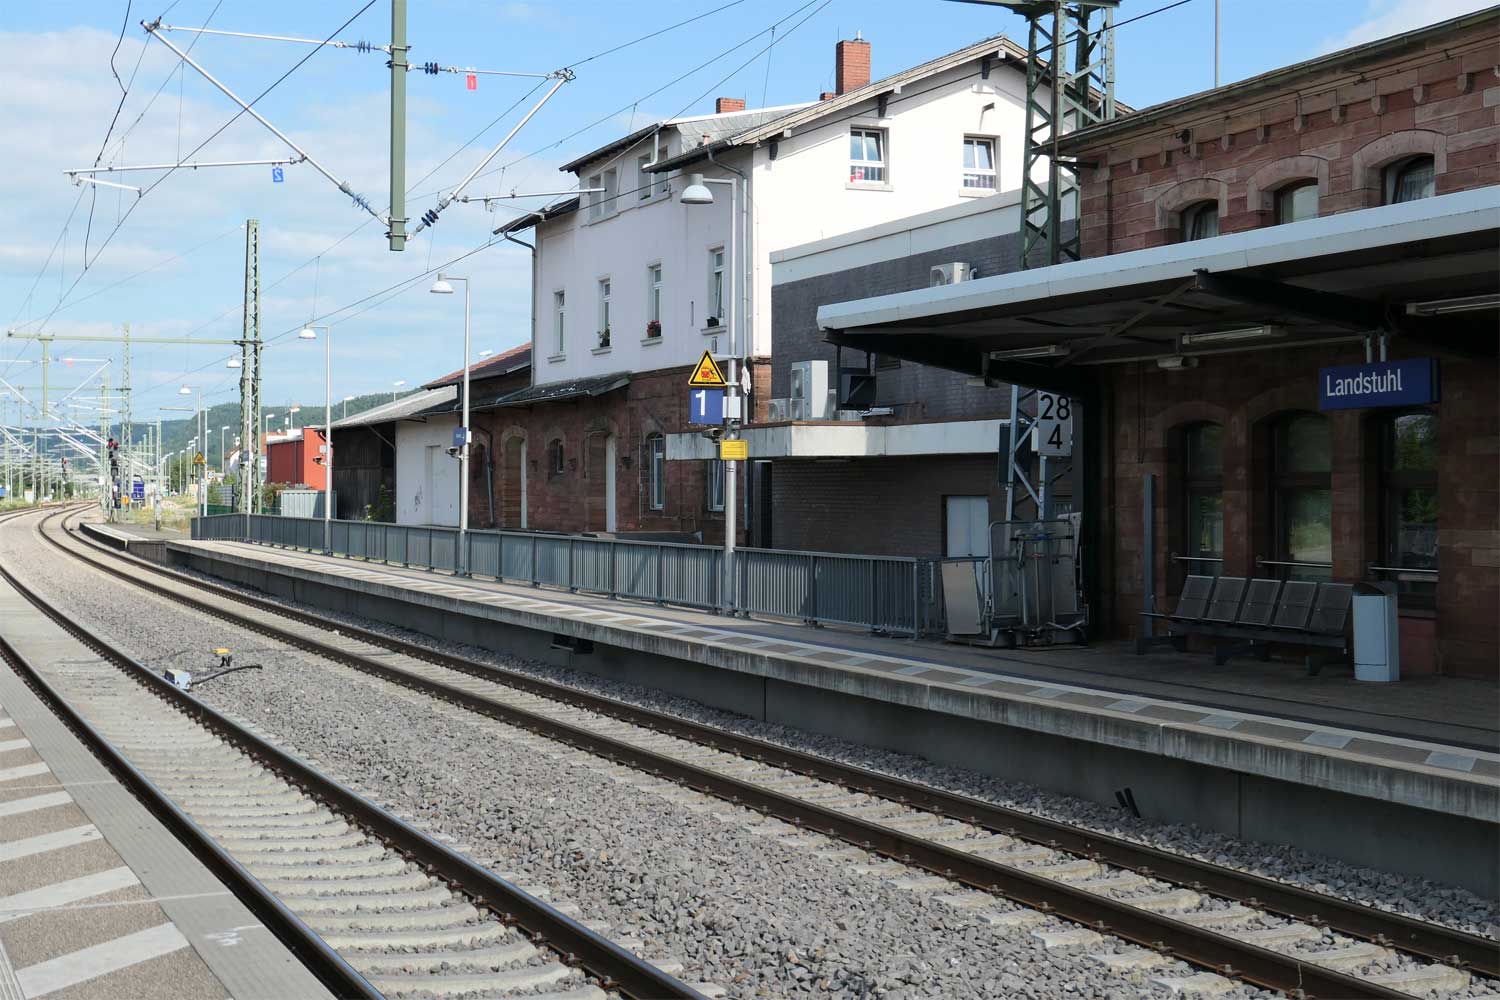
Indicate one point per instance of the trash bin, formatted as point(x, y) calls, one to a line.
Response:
point(1377, 638)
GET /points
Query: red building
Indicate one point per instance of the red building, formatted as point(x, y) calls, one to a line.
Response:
point(295, 458)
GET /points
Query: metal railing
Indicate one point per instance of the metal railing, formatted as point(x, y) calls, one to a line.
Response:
point(881, 593)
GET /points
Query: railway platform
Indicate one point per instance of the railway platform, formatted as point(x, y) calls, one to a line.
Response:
point(1258, 751)
point(97, 898)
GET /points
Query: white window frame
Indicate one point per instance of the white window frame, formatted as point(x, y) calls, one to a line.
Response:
point(979, 174)
point(656, 471)
point(645, 183)
point(606, 293)
point(611, 189)
point(715, 484)
point(559, 320)
point(653, 292)
point(717, 272)
point(882, 138)
point(596, 199)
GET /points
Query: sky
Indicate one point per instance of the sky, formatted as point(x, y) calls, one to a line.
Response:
point(170, 262)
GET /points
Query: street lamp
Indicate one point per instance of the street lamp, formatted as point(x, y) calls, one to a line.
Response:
point(201, 439)
point(223, 457)
point(698, 192)
point(485, 354)
point(443, 286)
point(346, 408)
point(396, 385)
point(310, 332)
point(294, 409)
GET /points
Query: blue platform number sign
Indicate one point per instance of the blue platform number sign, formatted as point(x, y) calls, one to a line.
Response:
point(460, 435)
point(1409, 382)
point(706, 406)
point(277, 175)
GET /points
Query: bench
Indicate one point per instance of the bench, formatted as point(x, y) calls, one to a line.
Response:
point(1248, 615)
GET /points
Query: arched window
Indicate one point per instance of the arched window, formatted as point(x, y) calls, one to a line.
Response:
point(1410, 179)
point(1409, 516)
point(1297, 201)
point(555, 457)
point(1301, 495)
point(1203, 497)
point(1200, 221)
point(656, 471)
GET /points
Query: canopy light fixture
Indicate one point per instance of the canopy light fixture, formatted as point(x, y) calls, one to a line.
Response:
point(697, 192)
point(1176, 362)
point(1243, 333)
point(1445, 307)
point(1021, 353)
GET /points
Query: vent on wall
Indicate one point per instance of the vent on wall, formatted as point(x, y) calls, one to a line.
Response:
point(950, 274)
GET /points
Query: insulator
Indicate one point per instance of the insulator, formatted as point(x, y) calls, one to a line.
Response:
point(429, 218)
point(430, 68)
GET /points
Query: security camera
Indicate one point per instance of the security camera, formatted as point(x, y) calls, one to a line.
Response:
point(453, 452)
point(713, 433)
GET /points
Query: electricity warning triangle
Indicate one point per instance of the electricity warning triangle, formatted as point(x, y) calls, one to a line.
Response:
point(706, 373)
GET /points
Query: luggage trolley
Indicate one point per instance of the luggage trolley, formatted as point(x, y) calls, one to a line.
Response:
point(1027, 592)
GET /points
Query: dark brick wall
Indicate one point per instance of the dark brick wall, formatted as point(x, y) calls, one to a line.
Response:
point(920, 391)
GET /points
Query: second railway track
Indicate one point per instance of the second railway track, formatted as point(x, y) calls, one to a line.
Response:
point(1167, 902)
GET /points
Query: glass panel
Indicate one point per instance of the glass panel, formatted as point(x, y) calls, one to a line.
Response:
point(1414, 443)
point(1205, 526)
point(856, 145)
point(1202, 222)
point(1304, 445)
point(984, 157)
point(1308, 516)
point(1294, 204)
point(1205, 446)
point(1414, 181)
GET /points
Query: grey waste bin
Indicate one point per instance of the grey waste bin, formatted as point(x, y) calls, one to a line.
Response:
point(1377, 639)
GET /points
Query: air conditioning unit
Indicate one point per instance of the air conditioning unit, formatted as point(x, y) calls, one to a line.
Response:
point(778, 410)
point(950, 274)
point(810, 390)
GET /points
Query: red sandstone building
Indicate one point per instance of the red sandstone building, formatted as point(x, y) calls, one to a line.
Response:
point(294, 458)
point(1241, 245)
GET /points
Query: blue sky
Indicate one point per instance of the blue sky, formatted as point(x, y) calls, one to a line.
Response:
point(319, 261)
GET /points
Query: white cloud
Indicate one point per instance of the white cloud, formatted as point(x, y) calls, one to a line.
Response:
point(1384, 18)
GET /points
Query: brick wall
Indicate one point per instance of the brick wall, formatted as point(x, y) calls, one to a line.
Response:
point(574, 499)
point(1341, 130)
point(1245, 392)
point(917, 391)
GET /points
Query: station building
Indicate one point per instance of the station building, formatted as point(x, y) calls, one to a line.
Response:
point(1281, 343)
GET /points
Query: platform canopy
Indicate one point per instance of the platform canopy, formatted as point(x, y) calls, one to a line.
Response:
point(1427, 270)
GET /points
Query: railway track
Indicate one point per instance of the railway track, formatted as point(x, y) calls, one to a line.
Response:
point(373, 906)
point(1247, 927)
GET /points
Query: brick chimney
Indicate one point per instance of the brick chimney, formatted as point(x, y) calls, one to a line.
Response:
point(724, 105)
point(851, 63)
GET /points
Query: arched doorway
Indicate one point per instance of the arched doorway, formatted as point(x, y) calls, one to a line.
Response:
point(513, 485)
point(600, 500)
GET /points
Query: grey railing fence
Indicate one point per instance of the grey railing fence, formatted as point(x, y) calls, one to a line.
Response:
point(882, 593)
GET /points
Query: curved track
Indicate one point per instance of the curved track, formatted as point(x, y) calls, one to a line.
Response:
point(1167, 902)
point(372, 905)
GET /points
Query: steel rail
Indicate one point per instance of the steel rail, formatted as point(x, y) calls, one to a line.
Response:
point(1417, 937)
point(327, 965)
point(1199, 946)
point(617, 968)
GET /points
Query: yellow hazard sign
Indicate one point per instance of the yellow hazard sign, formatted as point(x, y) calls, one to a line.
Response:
point(198, 459)
point(737, 450)
point(706, 373)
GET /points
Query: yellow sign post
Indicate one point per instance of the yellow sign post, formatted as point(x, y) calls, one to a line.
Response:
point(198, 459)
point(736, 450)
point(706, 373)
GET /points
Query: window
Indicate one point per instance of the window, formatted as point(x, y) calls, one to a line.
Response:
point(644, 180)
point(656, 471)
point(604, 292)
point(611, 188)
point(1200, 221)
point(979, 164)
point(1302, 498)
point(1410, 179)
point(1296, 202)
point(596, 200)
point(866, 156)
point(653, 300)
point(1203, 497)
point(555, 456)
point(1409, 452)
point(715, 484)
point(716, 287)
point(559, 324)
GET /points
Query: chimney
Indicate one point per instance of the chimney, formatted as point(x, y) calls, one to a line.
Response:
point(724, 105)
point(825, 95)
point(851, 63)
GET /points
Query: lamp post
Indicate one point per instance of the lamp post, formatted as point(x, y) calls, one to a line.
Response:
point(310, 332)
point(697, 193)
point(396, 385)
point(346, 408)
point(443, 286)
point(200, 423)
point(223, 455)
point(294, 409)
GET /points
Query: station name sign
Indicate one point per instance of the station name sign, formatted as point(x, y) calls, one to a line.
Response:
point(1409, 382)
